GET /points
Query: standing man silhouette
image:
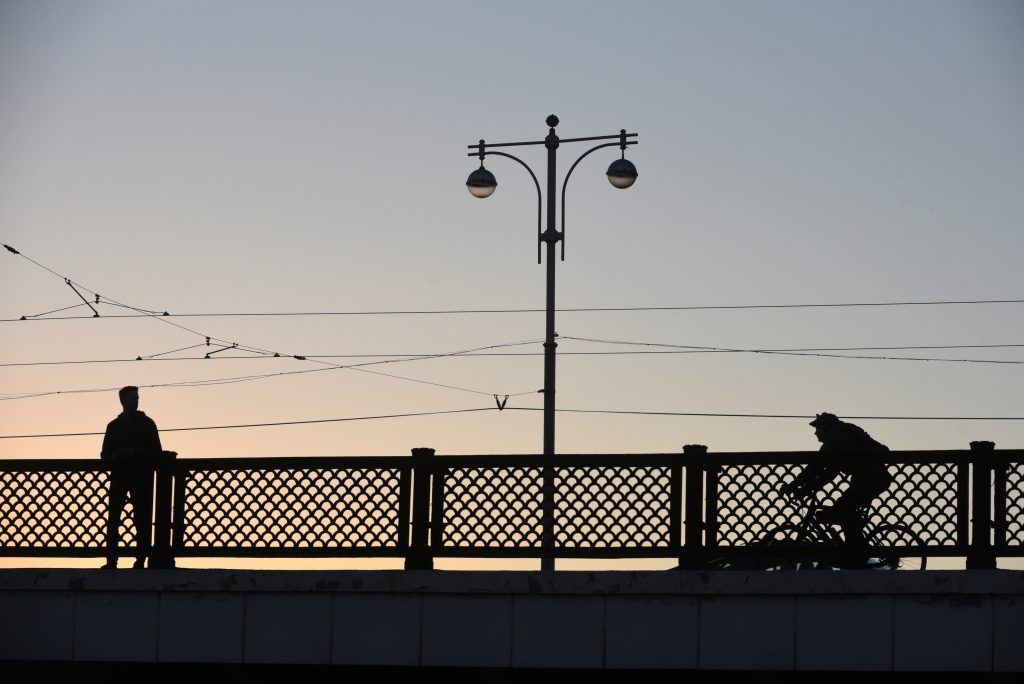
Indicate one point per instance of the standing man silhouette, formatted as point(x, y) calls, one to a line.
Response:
point(131, 439)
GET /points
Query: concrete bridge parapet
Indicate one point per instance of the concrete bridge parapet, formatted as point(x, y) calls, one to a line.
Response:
point(868, 620)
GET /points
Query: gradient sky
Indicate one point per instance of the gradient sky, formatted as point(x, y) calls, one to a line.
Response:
point(259, 156)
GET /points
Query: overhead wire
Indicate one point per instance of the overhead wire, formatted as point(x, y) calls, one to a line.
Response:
point(822, 352)
point(582, 309)
point(361, 367)
point(272, 424)
point(563, 410)
point(328, 367)
point(233, 345)
point(514, 354)
point(762, 415)
point(172, 351)
point(47, 313)
point(783, 352)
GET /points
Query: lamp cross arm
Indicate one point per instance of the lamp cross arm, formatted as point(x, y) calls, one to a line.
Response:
point(536, 184)
point(617, 136)
point(509, 144)
point(623, 143)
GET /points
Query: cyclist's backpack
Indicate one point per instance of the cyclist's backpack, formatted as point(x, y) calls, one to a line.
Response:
point(875, 475)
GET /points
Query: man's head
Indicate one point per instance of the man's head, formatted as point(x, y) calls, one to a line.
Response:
point(823, 424)
point(129, 397)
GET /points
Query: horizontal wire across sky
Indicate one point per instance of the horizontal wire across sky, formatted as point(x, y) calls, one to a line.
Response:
point(667, 348)
point(687, 414)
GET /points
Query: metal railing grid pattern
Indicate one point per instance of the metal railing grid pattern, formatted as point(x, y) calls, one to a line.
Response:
point(1013, 503)
point(492, 507)
point(613, 507)
point(938, 503)
point(317, 507)
point(59, 506)
point(921, 507)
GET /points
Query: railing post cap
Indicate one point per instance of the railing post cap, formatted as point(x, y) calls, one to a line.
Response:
point(422, 452)
point(983, 446)
point(695, 449)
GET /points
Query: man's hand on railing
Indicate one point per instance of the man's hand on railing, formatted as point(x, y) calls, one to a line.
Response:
point(119, 454)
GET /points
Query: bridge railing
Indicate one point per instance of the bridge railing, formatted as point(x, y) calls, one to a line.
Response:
point(924, 511)
point(693, 506)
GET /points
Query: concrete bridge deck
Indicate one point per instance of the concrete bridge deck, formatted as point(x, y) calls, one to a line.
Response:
point(842, 621)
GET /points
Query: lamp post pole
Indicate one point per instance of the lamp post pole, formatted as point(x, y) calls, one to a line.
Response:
point(551, 236)
point(481, 183)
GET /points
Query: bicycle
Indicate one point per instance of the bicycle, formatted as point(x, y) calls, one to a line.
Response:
point(812, 531)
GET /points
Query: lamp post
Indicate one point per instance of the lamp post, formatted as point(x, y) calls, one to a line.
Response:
point(482, 183)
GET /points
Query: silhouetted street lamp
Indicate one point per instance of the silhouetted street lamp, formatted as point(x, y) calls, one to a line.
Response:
point(481, 183)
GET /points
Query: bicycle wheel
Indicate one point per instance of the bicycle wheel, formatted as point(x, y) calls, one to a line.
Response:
point(780, 537)
point(897, 535)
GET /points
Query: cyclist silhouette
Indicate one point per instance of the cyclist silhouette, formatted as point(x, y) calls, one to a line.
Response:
point(867, 480)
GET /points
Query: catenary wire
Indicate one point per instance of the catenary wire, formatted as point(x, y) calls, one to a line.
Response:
point(246, 378)
point(761, 415)
point(172, 351)
point(162, 316)
point(65, 308)
point(142, 312)
point(273, 424)
point(486, 354)
point(584, 309)
point(477, 410)
point(233, 345)
point(788, 352)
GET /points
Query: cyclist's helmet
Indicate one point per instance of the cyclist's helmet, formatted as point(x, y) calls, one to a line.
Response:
point(823, 419)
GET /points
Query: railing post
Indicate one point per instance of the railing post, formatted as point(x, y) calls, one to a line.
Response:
point(419, 557)
point(981, 556)
point(691, 557)
point(676, 512)
point(162, 555)
point(711, 473)
point(1000, 521)
point(547, 541)
point(181, 477)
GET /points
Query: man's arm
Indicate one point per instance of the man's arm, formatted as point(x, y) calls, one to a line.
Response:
point(153, 439)
point(107, 450)
point(811, 479)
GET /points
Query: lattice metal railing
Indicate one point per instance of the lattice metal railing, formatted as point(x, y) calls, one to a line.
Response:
point(1011, 502)
point(939, 503)
point(61, 507)
point(923, 497)
point(614, 507)
point(601, 506)
point(491, 507)
point(291, 507)
point(923, 509)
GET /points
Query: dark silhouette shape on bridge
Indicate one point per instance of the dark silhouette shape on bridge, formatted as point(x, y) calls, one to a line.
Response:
point(131, 438)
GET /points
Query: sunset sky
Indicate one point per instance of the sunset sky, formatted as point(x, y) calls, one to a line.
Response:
point(252, 157)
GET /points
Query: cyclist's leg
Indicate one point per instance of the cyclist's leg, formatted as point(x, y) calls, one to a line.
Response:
point(846, 512)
